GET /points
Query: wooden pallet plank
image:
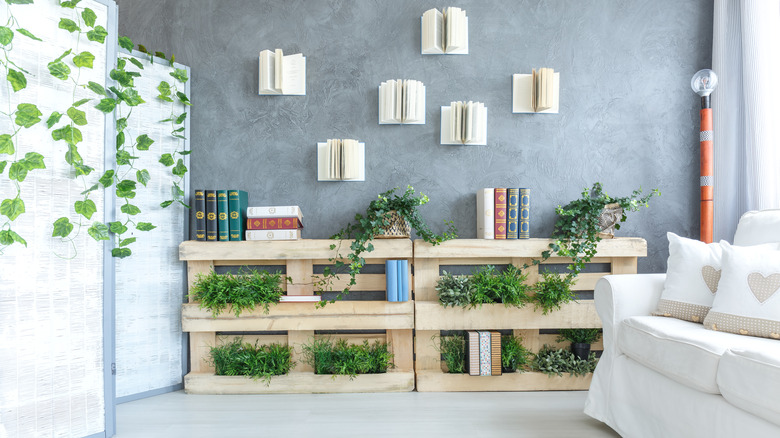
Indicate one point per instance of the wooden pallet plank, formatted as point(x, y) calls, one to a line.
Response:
point(479, 248)
point(196, 268)
point(432, 381)
point(299, 383)
point(200, 349)
point(427, 355)
point(301, 279)
point(624, 265)
point(426, 274)
point(297, 339)
point(287, 250)
point(434, 316)
point(402, 348)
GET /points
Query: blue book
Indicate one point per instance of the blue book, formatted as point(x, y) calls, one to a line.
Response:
point(403, 280)
point(391, 275)
point(524, 220)
point(511, 210)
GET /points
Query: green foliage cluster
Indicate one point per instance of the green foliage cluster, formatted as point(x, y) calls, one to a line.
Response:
point(552, 291)
point(453, 351)
point(507, 287)
point(555, 362)
point(370, 225)
point(243, 292)
point(342, 358)
point(514, 356)
point(454, 290)
point(238, 358)
point(579, 336)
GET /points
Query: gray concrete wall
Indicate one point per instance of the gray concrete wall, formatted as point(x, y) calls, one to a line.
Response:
point(627, 115)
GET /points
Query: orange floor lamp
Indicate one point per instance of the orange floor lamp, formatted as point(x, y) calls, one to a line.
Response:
point(704, 83)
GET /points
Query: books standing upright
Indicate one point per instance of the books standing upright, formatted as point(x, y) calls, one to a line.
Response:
point(200, 215)
point(281, 74)
point(444, 32)
point(237, 203)
point(223, 224)
point(485, 218)
point(391, 280)
point(512, 211)
point(500, 213)
point(211, 215)
point(524, 220)
point(472, 352)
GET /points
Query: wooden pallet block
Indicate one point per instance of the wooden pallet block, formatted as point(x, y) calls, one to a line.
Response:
point(438, 381)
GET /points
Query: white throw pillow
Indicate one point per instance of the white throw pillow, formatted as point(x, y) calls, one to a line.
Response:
point(692, 275)
point(748, 299)
point(756, 227)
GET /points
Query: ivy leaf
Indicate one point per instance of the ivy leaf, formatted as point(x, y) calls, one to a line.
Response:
point(98, 34)
point(2, 166)
point(107, 179)
point(98, 231)
point(180, 168)
point(181, 118)
point(164, 88)
point(89, 17)
point(96, 88)
point(128, 241)
point(159, 55)
point(6, 36)
point(144, 226)
point(126, 189)
point(184, 152)
point(62, 227)
point(17, 79)
point(179, 74)
point(121, 124)
point(165, 98)
point(132, 98)
point(59, 70)
point(106, 105)
point(136, 63)
point(80, 102)
point(68, 133)
point(143, 176)
point(85, 208)
point(117, 227)
point(123, 158)
point(68, 24)
point(12, 208)
point(173, 59)
point(141, 48)
point(8, 237)
point(166, 160)
point(121, 252)
point(124, 78)
point(121, 63)
point(69, 4)
point(183, 98)
point(17, 171)
point(120, 140)
point(143, 142)
point(19, 2)
point(27, 115)
point(165, 204)
point(126, 43)
point(130, 209)
point(64, 54)
point(6, 144)
point(182, 203)
point(72, 156)
point(28, 34)
point(53, 119)
point(79, 117)
point(91, 189)
point(178, 130)
point(33, 160)
point(83, 59)
point(83, 169)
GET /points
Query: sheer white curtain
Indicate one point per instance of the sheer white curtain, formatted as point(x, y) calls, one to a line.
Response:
point(746, 110)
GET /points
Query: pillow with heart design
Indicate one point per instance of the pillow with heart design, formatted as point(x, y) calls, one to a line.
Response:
point(748, 298)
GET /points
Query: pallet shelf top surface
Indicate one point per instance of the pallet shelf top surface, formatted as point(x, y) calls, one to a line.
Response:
point(466, 248)
point(431, 315)
point(288, 249)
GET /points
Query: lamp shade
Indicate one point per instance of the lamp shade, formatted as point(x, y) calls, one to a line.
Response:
point(704, 82)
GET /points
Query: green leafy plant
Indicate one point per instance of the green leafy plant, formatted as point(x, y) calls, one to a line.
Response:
point(555, 362)
point(552, 291)
point(238, 358)
point(342, 358)
point(507, 287)
point(454, 290)
point(242, 292)
point(453, 351)
point(372, 224)
point(579, 336)
point(514, 356)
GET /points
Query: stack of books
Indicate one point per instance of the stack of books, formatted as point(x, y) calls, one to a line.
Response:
point(274, 223)
point(504, 213)
point(220, 215)
point(397, 280)
point(483, 353)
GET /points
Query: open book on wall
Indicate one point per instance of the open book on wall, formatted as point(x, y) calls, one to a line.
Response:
point(341, 160)
point(280, 74)
point(537, 92)
point(445, 32)
point(464, 123)
point(402, 102)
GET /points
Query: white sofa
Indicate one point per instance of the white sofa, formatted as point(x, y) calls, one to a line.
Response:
point(664, 377)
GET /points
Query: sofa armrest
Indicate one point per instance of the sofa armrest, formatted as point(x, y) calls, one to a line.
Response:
point(621, 296)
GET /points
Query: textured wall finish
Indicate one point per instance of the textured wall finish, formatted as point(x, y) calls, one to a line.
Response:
point(627, 115)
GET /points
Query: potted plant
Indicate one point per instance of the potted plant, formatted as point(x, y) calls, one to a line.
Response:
point(580, 339)
point(514, 356)
point(380, 221)
point(453, 352)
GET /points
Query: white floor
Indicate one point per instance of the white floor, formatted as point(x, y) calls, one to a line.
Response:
point(411, 414)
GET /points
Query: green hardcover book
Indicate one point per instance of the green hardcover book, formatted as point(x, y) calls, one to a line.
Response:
point(223, 226)
point(238, 200)
point(211, 215)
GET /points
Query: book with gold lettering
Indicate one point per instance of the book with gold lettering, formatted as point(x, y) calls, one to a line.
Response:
point(500, 213)
point(273, 223)
point(200, 215)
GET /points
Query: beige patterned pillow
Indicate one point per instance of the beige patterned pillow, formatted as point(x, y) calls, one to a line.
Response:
point(748, 299)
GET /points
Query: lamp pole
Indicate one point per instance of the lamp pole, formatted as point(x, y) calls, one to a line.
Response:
point(703, 83)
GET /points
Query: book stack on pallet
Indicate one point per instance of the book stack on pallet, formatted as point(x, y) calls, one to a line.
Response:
point(397, 280)
point(220, 215)
point(483, 353)
point(274, 223)
point(504, 213)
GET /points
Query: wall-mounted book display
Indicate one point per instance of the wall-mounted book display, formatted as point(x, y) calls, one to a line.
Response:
point(282, 75)
point(464, 123)
point(445, 32)
point(402, 102)
point(341, 160)
point(536, 92)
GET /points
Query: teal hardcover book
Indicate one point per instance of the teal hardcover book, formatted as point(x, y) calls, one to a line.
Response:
point(238, 200)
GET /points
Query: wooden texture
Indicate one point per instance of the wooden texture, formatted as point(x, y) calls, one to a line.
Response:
point(196, 268)
point(402, 347)
point(433, 316)
point(476, 248)
point(529, 381)
point(304, 249)
point(299, 383)
point(200, 348)
point(297, 339)
point(301, 278)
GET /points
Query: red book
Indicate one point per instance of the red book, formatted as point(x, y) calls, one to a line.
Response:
point(273, 223)
point(500, 213)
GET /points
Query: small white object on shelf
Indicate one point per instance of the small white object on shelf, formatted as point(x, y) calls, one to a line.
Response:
point(273, 234)
point(537, 92)
point(464, 123)
point(282, 75)
point(444, 32)
point(341, 160)
point(300, 299)
point(402, 101)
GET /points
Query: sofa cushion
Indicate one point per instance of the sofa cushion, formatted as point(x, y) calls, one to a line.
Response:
point(683, 351)
point(750, 380)
point(758, 227)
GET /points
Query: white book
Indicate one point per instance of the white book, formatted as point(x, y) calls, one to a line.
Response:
point(294, 75)
point(268, 73)
point(275, 211)
point(401, 101)
point(280, 74)
point(444, 32)
point(341, 160)
point(455, 119)
point(273, 234)
point(485, 207)
point(300, 299)
point(525, 92)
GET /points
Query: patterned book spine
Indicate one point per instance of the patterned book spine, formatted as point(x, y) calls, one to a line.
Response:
point(211, 215)
point(472, 353)
point(277, 211)
point(273, 223)
point(495, 352)
point(223, 224)
point(200, 215)
point(485, 356)
point(524, 221)
point(512, 195)
point(237, 202)
point(273, 234)
point(391, 280)
point(485, 222)
point(500, 214)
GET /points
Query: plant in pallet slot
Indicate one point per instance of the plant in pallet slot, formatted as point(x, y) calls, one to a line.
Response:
point(581, 340)
point(238, 358)
point(453, 351)
point(242, 292)
point(342, 358)
point(514, 356)
point(454, 290)
point(555, 362)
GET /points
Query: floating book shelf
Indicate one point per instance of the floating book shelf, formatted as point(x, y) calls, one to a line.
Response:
point(444, 32)
point(341, 160)
point(282, 75)
point(464, 123)
point(402, 102)
point(537, 92)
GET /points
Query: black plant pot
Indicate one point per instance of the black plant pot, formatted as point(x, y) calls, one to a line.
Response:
point(582, 351)
point(511, 368)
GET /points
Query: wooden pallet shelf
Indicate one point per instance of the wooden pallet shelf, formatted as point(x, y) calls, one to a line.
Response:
point(433, 316)
point(529, 381)
point(299, 383)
